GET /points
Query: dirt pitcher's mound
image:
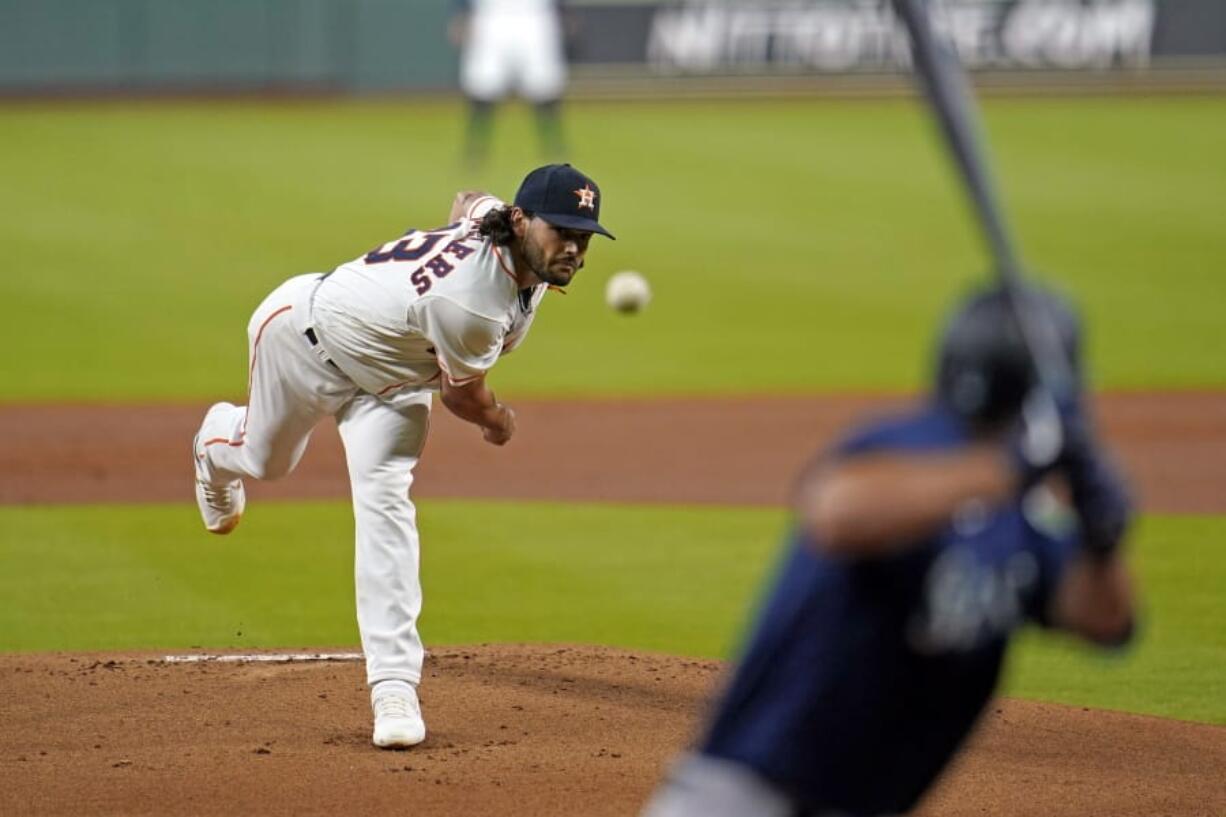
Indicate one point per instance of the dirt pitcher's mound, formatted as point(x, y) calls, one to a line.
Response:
point(514, 730)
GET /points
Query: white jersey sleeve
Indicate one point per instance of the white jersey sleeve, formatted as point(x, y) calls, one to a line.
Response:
point(481, 205)
point(465, 343)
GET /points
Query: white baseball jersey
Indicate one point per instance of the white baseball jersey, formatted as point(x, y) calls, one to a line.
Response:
point(428, 305)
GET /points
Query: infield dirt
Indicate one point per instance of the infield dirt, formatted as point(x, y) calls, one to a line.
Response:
point(742, 450)
point(528, 730)
point(516, 731)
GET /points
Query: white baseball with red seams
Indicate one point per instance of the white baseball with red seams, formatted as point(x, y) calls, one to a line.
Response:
point(627, 291)
point(386, 328)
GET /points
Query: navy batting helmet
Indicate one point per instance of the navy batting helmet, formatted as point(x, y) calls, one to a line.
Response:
point(984, 367)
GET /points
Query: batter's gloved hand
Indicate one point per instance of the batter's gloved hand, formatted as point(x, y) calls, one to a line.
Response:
point(1100, 495)
point(1044, 433)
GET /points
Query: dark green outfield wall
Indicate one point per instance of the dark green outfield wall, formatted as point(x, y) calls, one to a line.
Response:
point(372, 45)
point(184, 44)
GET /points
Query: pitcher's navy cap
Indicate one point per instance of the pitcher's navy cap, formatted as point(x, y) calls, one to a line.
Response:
point(563, 196)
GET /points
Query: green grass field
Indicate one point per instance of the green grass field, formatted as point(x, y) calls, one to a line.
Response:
point(679, 580)
point(794, 246)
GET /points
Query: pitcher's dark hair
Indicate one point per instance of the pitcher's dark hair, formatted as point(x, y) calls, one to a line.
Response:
point(496, 225)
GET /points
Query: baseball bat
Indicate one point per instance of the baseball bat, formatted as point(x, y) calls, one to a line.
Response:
point(950, 95)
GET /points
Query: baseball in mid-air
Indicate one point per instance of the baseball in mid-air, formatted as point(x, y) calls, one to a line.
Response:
point(627, 291)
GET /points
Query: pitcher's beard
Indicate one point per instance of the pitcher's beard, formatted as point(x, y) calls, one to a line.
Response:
point(535, 260)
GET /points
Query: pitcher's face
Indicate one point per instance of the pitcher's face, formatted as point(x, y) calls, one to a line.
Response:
point(554, 254)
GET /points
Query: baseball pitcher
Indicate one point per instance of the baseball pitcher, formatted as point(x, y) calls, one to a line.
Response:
point(368, 344)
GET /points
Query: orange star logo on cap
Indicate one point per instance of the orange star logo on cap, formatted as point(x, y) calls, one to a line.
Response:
point(587, 197)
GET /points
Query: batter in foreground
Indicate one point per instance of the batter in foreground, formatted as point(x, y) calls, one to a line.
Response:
point(368, 344)
point(922, 543)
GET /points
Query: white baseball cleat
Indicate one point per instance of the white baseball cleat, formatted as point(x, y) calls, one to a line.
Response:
point(221, 506)
point(398, 723)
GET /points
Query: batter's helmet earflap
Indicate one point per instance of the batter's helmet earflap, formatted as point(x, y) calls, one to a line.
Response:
point(984, 366)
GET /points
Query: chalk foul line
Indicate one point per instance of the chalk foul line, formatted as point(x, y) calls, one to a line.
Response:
point(267, 658)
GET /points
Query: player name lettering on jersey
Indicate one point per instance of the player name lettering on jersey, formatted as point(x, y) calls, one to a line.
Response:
point(429, 252)
point(969, 602)
point(430, 304)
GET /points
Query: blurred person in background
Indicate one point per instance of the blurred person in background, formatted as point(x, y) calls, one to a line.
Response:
point(510, 47)
point(920, 545)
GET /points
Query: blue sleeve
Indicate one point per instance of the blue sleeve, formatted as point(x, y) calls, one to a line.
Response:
point(914, 432)
point(860, 441)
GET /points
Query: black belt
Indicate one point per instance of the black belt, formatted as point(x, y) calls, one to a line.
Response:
point(310, 335)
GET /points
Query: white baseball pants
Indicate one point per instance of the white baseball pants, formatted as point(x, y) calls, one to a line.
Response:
point(291, 388)
point(514, 52)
